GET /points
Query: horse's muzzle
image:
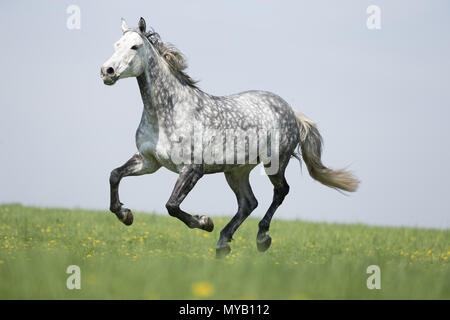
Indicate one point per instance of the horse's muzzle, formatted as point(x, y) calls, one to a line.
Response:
point(108, 77)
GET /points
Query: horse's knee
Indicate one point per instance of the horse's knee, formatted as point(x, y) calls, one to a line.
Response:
point(281, 192)
point(172, 208)
point(247, 205)
point(114, 177)
point(253, 204)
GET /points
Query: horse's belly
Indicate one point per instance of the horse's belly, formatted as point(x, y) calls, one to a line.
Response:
point(162, 154)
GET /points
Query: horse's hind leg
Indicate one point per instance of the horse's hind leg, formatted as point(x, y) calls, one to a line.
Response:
point(280, 190)
point(136, 166)
point(238, 180)
point(187, 179)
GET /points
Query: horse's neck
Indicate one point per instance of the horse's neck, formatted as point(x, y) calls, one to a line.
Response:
point(160, 89)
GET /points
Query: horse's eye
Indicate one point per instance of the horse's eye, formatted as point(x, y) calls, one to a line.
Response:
point(134, 47)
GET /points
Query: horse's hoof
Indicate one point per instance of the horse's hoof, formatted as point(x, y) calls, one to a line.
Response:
point(127, 216)
point(264, 243)
point(206, 223)
point(222, 251)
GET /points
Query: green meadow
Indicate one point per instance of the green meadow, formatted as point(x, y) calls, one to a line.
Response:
point(158, 257)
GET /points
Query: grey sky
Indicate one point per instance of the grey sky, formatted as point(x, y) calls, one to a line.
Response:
point(381, 100)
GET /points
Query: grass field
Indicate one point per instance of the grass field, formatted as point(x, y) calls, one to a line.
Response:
point(159, 258)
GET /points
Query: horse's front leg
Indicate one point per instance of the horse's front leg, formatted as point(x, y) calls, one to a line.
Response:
point(187, 179)
point(136, 166)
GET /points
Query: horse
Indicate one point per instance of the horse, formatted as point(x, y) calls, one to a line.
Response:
point(176, 109)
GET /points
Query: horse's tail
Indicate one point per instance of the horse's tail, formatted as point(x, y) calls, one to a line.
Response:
point(311, 147)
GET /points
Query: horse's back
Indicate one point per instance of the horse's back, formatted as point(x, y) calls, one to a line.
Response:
point(246, 113)
point(255, 109)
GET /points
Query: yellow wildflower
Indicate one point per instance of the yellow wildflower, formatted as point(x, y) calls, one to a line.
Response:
point(202, 289)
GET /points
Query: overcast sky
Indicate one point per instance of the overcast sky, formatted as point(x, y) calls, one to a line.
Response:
point(381, 99)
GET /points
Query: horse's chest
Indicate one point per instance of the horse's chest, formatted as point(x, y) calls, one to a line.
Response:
point(146, 139)
point(153, 142)
point(159, 138)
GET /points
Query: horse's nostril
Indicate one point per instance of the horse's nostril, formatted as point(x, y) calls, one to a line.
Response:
point(110, 71)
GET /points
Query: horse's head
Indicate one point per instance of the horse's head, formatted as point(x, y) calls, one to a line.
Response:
point(128, 59)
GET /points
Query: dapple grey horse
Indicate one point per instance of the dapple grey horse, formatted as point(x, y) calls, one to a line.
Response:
point(175, 108)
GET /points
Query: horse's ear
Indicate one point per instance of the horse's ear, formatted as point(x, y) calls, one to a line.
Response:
point(124, 25)
point(142, 25)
